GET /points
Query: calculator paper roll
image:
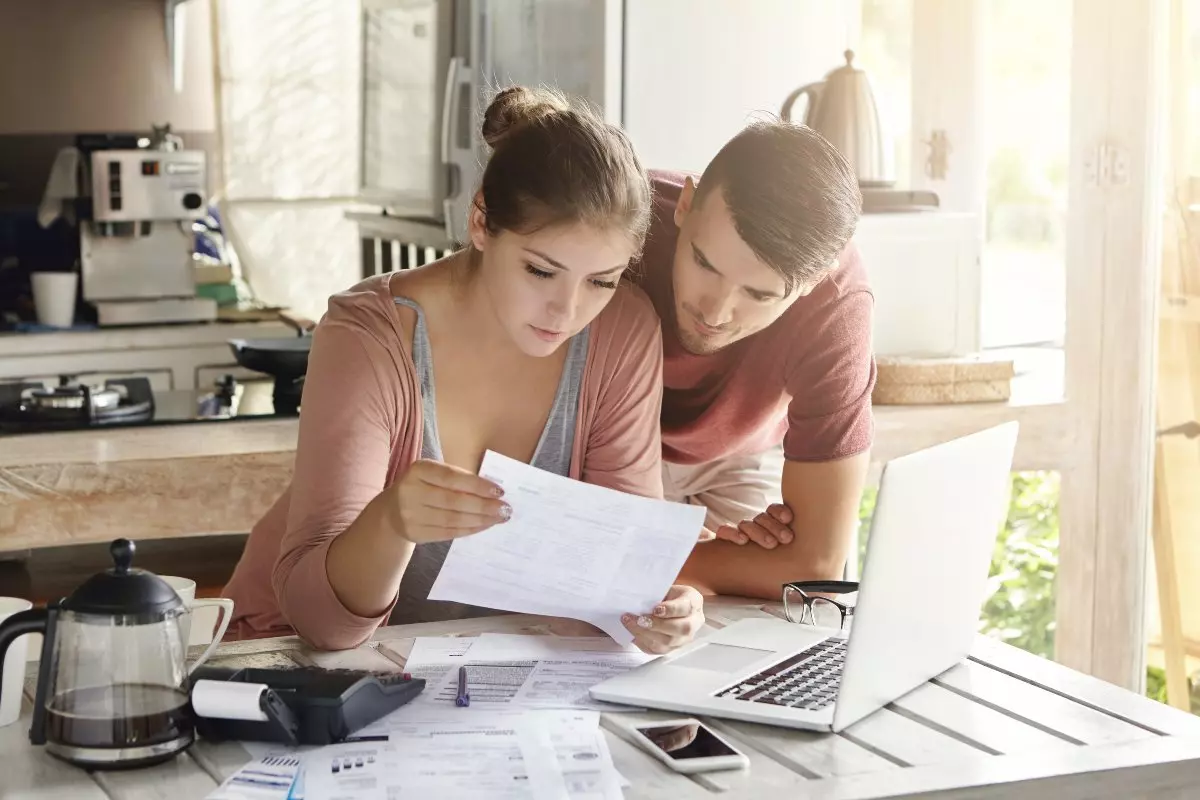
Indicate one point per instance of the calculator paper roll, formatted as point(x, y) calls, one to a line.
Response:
point(229, 700)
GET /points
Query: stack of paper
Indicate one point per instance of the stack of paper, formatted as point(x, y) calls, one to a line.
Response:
point(530, 731)
point(507, 671)
point(549, 754)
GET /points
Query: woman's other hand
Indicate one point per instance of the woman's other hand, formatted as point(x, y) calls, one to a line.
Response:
point(434, 502)
point(671, 624)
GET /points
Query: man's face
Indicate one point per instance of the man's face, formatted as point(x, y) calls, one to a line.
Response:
point(723, 291)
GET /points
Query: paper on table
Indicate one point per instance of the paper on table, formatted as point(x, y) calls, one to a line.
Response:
point(435, 659)
point(532, 647)
point(509, 671)
point(504, 756)
point(571, 549)
point(434, 656)
point(566, 667)
point(583, 756)
point(269, 777)
point(536, 672)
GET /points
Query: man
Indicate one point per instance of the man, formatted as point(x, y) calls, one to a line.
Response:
point(768, 368)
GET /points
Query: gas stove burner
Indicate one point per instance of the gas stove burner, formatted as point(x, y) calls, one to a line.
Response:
point(73, 405)
point(69, 394)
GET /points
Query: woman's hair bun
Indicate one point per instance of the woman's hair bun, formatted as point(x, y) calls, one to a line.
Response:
point(517, 106)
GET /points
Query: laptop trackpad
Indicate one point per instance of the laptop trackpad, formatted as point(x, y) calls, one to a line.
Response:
point(720, 658)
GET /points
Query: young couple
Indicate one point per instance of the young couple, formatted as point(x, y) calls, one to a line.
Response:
point(751, 397)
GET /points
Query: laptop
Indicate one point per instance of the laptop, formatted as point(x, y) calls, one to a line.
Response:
point(936, 519)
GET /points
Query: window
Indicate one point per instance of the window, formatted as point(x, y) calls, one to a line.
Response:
point(1021, 188)
point(1027, 110)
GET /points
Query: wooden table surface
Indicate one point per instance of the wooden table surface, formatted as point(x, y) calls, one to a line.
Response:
point(1001, 724)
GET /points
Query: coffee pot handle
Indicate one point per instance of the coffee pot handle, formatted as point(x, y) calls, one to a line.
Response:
point(23, 622)
point(812, 90)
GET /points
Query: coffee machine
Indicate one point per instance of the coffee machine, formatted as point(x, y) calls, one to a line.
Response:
point(135, 246)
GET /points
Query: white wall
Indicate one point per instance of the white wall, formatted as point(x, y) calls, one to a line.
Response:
point(100, 65)
point(698, 70)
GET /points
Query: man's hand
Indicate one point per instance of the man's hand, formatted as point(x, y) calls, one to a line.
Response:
point(822, 500)
point(769, 529)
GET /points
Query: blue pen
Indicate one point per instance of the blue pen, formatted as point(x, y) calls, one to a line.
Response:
point(464, 697)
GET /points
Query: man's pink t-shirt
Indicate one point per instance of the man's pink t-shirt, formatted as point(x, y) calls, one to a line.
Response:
point(805, 380)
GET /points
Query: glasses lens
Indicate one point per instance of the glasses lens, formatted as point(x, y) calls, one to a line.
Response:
point(825, 614)
point(793, 605)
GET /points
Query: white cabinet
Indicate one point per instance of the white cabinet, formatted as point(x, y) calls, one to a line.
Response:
point(925, 272)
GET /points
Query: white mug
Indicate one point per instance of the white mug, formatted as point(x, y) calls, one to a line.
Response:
point(12, 673)
point(200, 634)
point(54, 297)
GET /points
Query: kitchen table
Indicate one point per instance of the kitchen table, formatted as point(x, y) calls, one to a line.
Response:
point(1000, 724)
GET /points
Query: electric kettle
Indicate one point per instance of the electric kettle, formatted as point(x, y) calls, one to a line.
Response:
point(112, 688)
point(842, 109)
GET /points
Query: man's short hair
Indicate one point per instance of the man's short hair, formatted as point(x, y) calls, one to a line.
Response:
point(794, 198)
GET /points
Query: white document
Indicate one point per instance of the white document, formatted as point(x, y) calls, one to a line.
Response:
point(570, 550)
point(272, 776)
point(433, 657)
point(532, 647)
point(583, 756)
point(514, 671)
point(566, 667)
point(542, 756)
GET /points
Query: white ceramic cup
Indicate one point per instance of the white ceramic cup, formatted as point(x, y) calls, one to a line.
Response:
point(201, 634)
point(54, 297)
point(12, 673)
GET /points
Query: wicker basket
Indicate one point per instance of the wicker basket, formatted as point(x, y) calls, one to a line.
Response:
point(925, 381)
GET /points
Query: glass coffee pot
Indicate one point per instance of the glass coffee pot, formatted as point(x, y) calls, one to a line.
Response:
point(112, 689)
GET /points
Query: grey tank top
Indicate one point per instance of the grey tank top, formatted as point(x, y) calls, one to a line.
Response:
point(553, 454)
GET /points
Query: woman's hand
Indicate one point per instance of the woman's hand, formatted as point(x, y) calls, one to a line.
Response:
point(672, 624)
point(435, 501)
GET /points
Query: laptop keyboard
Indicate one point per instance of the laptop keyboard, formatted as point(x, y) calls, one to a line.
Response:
point(807, 680)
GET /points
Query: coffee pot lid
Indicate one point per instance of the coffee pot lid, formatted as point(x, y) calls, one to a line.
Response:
point(123, 589)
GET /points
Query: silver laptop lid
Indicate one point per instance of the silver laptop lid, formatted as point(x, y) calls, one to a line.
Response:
point(925, 578)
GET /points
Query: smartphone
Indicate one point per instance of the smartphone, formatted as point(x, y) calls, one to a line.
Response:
point(688, 745)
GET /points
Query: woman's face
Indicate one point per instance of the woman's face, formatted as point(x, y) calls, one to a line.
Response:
point(545, 287)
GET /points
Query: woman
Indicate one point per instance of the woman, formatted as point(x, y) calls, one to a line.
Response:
point(535, 351)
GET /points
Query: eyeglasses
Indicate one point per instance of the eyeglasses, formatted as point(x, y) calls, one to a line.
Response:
point(803, 603)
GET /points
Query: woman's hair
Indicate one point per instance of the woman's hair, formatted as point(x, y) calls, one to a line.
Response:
point(555, 163)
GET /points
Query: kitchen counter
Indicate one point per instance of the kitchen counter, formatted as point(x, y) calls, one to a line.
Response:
point(170, 480)
point(149, 482)
point(156, 336)
point(219, 476)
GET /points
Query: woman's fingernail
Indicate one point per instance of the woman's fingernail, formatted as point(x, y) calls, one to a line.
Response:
point(741, 539)
point(498, 492)
point(627, 618)
point(644, 622)
point(785, 537)
point(770, 541)
point(505, 511)
point(660, 611)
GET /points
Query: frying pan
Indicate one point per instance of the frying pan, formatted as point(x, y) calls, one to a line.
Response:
point(285, 359)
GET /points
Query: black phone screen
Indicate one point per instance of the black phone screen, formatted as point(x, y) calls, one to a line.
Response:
point(682, 742)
